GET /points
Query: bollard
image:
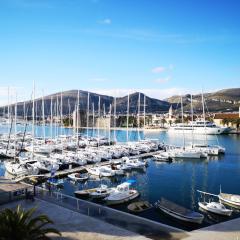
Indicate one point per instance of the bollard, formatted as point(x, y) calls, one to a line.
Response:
point(99, 211)
point(77, 205)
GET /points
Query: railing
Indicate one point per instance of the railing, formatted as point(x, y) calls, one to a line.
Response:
point(125, 220)
point(10, 196)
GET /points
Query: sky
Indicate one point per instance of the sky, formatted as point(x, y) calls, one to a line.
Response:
point(159, 47)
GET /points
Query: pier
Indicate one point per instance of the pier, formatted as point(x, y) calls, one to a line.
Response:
point(65, 172)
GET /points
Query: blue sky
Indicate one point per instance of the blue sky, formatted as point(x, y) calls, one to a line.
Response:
point(115, 46)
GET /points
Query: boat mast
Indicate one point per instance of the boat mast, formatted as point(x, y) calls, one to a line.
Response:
point(61, 114)
point(51, 120)
point(127, 115)
point(24, 111)
point(109, 130)
point(69, 113)
point(114, 119)
point(77, 119)
point(144, 112)
point(33, 118)
point(138, 119)
point(88, 98)
point(98, 133)
point(183, 122)
point(204, 118)
point(43, 118)
point(57, 121)
point(93, 120)
point(8, 109)
point(192, 121)
point(15, 131)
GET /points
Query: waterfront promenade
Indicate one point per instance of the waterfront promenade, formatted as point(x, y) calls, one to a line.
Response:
point(74, 225)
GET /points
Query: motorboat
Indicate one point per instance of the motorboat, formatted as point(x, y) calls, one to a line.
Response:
point(86, 193)
point(134, 163)
point(121, 194)
point(137, 207)
point(101, 171)
point(185, 153)
point(232, 200)
point(101, 192)
point(179, 212)
point(197, 127)
point(215, 207)
point(78, 176)
point(162, 157)
point(18, 169)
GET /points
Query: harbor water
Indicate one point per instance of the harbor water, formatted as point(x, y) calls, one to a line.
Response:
point(177, 181)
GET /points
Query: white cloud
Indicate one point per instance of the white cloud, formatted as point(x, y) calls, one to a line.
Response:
point(106, 21)
point(158, 69)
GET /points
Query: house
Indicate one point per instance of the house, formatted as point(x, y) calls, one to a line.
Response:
point(227, 119)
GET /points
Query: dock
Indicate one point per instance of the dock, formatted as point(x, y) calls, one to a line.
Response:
point(65, 172)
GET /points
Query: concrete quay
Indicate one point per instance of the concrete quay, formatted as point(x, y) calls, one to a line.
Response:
point(76, 226)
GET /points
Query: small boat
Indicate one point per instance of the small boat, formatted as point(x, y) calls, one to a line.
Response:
point(179, 212)
point(122, 193)
point(232, 200)
point(84, 193)
point(101, 192)
point(78, 176)
point(162, 157)
point(215, 207)
point(138, 207)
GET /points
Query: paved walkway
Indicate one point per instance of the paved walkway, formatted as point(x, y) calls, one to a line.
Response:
point(75, 226)
point(229, 230)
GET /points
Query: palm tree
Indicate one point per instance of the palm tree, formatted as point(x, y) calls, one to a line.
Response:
point(19, 224)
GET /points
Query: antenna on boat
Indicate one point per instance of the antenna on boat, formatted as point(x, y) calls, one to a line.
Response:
point(220, 188)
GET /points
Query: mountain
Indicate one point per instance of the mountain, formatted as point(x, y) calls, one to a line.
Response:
point(223, 100)
point(69, 103)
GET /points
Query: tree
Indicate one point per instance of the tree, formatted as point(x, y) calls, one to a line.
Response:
point(236, 122)
point(225, 121)
point(19, 224)
point(163, 121)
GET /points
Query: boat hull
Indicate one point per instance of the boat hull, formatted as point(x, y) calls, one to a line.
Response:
point(123, 200)
point(181, 217)
point(227, 212)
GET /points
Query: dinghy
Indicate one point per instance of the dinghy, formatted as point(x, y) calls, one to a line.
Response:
point(78, 177)
point(179, 212)
point(138, 207)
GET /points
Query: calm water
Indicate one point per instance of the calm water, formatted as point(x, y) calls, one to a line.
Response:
point(177, 181)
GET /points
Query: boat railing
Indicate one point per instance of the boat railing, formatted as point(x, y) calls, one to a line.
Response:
point(115, 217)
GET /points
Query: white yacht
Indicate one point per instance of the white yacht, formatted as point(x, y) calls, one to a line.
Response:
point(122, 193)
point(18, 169)
point(197, 127)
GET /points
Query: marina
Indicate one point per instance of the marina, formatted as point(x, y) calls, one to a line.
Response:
point(183, 176)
